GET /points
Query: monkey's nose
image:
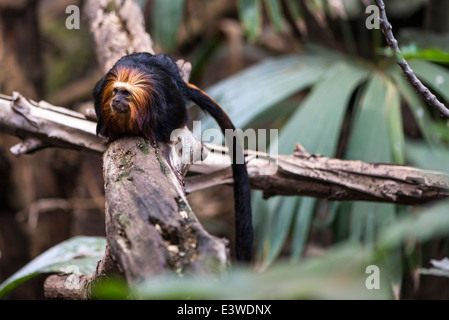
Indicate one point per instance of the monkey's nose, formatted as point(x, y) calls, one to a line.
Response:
point(119, 106)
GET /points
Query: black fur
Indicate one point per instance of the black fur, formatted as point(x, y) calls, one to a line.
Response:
point(169, 113)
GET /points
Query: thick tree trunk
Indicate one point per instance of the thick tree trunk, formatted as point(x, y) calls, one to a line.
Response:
point(150, 226)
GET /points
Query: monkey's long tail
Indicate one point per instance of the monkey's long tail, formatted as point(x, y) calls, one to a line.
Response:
point(242, 190)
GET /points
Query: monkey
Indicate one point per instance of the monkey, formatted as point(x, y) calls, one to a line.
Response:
point(144, 95)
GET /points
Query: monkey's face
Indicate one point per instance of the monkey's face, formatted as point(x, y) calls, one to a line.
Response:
point(120, 100)
point(126, 104)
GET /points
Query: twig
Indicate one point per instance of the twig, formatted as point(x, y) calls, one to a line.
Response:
point(400, 60)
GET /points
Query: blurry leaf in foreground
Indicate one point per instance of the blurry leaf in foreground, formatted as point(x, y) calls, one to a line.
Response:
point(79, 254)
point(340, 274)
point(429, 224)
point(111, 288)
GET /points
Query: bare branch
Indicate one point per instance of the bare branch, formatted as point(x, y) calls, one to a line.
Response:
point(408, 72)
point(42, 125)
point(321, 177)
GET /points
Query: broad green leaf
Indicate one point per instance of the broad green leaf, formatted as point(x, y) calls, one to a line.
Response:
point(76, 255)
point(258, 89)
point(165, 21)
point(275, 12)
point(370, 139)
point(317, 122)
point(250, 12)
point(435, 76)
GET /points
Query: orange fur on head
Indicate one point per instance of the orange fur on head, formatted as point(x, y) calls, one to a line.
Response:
point(140, 87)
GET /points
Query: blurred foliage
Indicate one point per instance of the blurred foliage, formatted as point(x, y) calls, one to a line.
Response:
point(342, 272)
point(69, 57)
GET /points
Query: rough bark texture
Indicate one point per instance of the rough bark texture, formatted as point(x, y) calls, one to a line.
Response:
point(42, 125)
point(150, 227)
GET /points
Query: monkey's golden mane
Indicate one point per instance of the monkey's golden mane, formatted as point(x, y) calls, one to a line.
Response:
point(140, 86)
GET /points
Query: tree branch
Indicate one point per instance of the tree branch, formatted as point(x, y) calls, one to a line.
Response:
point(321, 177)
point(408, 72)
point(42, 125)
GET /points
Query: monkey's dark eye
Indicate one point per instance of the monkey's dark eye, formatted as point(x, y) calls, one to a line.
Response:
point(126, 93)
point(114, 91)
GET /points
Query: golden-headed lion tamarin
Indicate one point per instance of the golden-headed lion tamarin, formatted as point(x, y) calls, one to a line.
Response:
point(144, 95)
